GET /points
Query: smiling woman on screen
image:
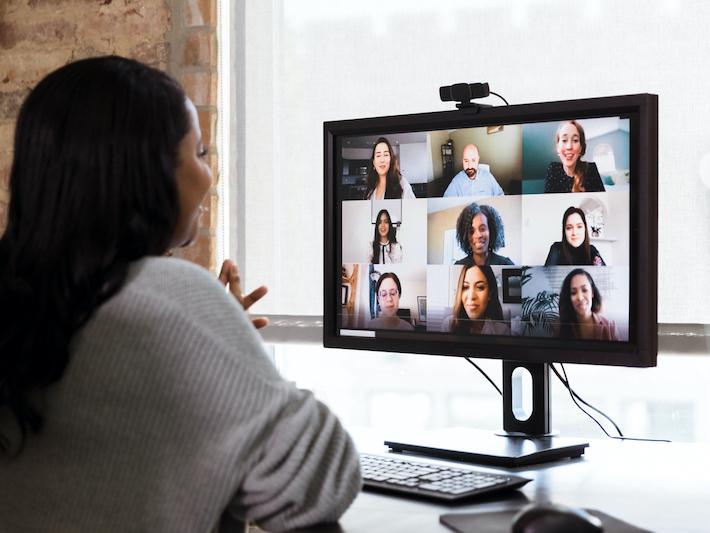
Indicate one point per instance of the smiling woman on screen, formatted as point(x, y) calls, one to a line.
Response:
point(572, 174)
point(384, 179)
point(574, 248)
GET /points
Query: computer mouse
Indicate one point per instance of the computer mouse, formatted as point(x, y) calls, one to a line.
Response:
point(555, 518)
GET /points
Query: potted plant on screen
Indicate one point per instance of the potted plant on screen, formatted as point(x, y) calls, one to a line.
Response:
point(539, 312)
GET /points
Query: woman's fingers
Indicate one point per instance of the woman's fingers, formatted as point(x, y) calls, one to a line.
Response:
point(254, 296)
point(224, 272)
point(260, 322)
point(229, 277)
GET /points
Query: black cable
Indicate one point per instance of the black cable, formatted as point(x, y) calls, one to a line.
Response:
point(485, 375)
point(573, 394)
point(499, 96)
point(565, 381)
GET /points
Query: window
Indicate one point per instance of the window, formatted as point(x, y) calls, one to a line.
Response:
point(295, 64)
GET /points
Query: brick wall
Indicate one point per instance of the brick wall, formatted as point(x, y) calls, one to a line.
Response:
point(37, 36)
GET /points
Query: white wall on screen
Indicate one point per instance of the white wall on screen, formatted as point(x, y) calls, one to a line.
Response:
point(415, 163)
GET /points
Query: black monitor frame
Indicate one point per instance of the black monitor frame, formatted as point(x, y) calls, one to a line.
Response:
point(639, 351)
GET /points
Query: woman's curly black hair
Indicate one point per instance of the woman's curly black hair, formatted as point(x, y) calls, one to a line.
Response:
point(496, 240)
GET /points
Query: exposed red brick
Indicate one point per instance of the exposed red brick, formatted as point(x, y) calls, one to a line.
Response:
point(208, 125)
point(200, 12)
point(37, 36)
point(199, 49)
point(201, 87)
point(9, 35)
point(5, 164)
point(10, 103)
point(3, 216)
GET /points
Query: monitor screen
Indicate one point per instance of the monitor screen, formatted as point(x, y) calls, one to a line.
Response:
point(520, 232)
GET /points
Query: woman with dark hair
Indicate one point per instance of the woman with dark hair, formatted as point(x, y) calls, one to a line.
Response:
point(580, 304)
point(574, 248)
point(135, 393)
point(388, 291)
point(480, 232)
point(384, 247)
point(477, 309)
point(572, 174)
point(384, 179)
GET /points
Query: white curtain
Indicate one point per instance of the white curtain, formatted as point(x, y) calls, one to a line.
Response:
point(301, 62)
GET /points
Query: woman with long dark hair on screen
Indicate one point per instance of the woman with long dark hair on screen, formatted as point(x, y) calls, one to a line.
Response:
point(135, 393)
point(480, 233)
point(384, 247)
point(477, 309)
point(574, 248)
point(571, 174)
point(580, 306)
point(384, 179)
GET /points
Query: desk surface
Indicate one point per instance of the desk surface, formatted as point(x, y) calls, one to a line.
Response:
point(663, 487)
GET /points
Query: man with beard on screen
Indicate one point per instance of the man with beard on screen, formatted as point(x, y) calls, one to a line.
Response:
point(475, 179)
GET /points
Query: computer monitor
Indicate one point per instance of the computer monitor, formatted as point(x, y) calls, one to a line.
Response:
point(526, 233)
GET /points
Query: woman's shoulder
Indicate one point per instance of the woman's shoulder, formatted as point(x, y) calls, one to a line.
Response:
point(171, 275)
point(496, 259)
point(496, 328)
point(407, 191)
point(447, 324)
point(553, 256)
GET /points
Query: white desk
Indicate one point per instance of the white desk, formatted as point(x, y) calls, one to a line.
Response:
point(657, 486)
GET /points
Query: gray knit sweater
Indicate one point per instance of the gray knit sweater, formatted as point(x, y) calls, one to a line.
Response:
point(170, 413)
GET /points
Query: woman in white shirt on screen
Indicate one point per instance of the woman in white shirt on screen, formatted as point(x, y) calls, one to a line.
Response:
point(384, 179)
point(384, 247)
point(477, 309)
point(388, 291)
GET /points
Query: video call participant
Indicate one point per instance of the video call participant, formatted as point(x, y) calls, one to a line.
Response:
point(384, 247)
point(480, 232)
point(477, 309)
point(572, 174)
point(580, 303)
point(135, 392)
point(388, 291)
point(384, 179)
point(475, 179)
point(574, 248)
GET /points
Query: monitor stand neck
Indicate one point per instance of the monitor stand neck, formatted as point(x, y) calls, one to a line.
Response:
point(526, 402)
point(526, 440)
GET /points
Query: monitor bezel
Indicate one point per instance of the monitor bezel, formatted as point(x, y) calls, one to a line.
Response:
point(641, 351)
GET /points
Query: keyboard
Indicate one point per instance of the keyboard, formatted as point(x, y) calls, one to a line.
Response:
point(430, 480)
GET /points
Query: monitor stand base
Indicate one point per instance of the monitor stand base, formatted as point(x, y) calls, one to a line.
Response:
point(487, 448)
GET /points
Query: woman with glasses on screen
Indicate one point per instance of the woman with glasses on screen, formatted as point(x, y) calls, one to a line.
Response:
point(580, 306)
point(572, 174)
point(480, 232)
point(384, 247)
point(477, 309)
point(574, 248)
point(388, 290)
point(384, 179)
point(135, 392)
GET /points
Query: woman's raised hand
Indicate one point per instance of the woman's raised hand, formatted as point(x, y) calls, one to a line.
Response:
point(229, 277)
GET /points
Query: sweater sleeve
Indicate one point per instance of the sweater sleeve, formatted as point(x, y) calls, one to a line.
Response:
point(306, 470)
point(283, 457)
